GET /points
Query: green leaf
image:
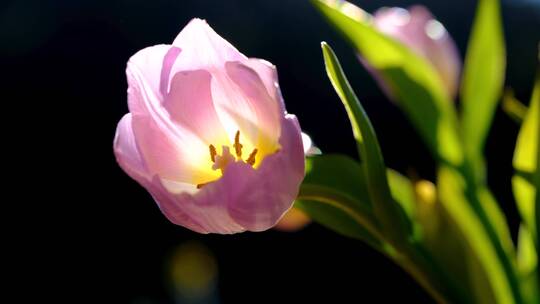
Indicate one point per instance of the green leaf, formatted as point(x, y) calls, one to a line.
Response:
point(337, 219)
point(513, 107)
point(412, 79)
point(334, 194)
point(403, 193)
point(341, 173)
point(527, 262)
point(444, 242)
point(497, 218)
point(452, 189)
point(483, 78)
point(525, 162)
point(389, 214)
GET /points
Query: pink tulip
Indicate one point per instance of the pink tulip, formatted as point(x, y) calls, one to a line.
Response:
point(208, 134)
point(417, 29)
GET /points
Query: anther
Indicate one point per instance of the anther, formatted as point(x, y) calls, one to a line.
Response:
point(213, 153)
point(237, 145)
point(251, 158)
point(199, 186)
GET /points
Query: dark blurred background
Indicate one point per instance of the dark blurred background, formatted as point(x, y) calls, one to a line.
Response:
point(100, 233)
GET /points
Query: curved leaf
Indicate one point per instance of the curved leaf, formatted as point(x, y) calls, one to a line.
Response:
point(391, 217)
point(413, 80)
point(452, 189)
point(527, 261)
point(334, 194)
point(339, 220)
point(525, 162)
point(483, 78)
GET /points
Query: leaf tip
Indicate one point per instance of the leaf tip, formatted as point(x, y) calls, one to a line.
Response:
point(324, 44)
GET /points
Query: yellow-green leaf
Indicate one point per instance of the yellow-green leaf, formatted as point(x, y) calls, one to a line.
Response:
point(527, 261)
point(412, 79)
point(526, 183)
point(334, 194)
point(483, 77)
point(390, 215)
point(452, 188)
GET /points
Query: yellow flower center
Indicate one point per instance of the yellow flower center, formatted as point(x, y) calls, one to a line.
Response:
point(220, 162)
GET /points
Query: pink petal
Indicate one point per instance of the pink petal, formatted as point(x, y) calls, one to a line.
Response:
point(190, 104)
point(144, 73)
point(172, 207)
point(202, 48)
point(439, 48)
point(268, 74)
point(170, 150)
point(126, 151)
point(246, 198)
point(418, 29)
point(168, 156)
point(255, 106)
point(265, 194)
point(130, 160)
point(166, 69)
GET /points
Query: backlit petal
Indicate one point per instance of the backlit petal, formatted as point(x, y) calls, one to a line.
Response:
point(190, 104)
point(203, 48)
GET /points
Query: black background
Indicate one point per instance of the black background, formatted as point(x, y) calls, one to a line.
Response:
point(90, 225)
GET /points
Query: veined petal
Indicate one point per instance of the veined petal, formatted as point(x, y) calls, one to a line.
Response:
point(170, 150)
point(267, 192)
point(182, 161)
point(144, 72)
point(269, 76)
point(256, 106)
point(126, 151)
point(190, 104)
point(245, 198)
point(203, 48)
point(171, 206)
point(130, 160)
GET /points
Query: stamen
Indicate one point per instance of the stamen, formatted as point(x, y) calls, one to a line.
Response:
point(213, 153)
point(223, 160)
point(237, 145)
point(251, 158)
point(199, 186)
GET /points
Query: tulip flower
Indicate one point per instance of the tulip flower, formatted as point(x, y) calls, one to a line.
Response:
point(208, 134)
point(417, 29)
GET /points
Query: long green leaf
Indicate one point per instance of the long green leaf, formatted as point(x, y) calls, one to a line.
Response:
point(412, 79)
point(390, 215)
point(452, 189)
point(483, 77)
point(525, 160)
point(527, 261)
point(402, 191)
point(334, 217)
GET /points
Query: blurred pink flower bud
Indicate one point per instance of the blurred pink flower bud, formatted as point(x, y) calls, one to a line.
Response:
point(417, 29)
point(208, 134)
